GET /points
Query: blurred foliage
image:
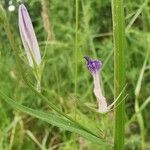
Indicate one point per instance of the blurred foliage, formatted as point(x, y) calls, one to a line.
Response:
point(95, 40)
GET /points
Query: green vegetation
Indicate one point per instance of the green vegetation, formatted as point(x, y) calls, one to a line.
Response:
point(119, 71)
point(66, 32)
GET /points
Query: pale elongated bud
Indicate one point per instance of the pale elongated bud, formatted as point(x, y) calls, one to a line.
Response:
point(28, 37)
point(94, 67)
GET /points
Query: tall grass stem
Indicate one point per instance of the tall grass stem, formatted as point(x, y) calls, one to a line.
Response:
point(119, 71)
point(76, 44)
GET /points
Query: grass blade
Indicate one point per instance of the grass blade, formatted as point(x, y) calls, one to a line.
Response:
point(54, 120)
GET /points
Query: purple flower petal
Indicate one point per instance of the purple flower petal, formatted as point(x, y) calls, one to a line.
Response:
point(93, 65)
point(28, 36)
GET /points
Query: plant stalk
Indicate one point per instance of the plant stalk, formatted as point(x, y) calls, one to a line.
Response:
point(119, 71)
point(76, 45)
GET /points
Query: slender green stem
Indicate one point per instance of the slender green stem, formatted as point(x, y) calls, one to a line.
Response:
point(76, 44)
point(119, 71)
point(137, 107)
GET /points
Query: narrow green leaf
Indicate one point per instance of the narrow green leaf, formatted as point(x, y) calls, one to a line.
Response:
point(55, 120)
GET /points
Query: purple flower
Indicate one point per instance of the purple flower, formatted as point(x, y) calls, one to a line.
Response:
point(93, 65)
point(28, 37)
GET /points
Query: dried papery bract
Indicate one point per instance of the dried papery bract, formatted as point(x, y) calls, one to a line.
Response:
point(46, 22)
point(28, 37)
point(94, 67)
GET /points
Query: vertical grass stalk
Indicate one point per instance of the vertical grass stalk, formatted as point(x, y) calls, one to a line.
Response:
point(76, 44)
point(119, 71)
point(137, 106)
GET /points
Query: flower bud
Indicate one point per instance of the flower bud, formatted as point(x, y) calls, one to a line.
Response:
point(28, 37)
